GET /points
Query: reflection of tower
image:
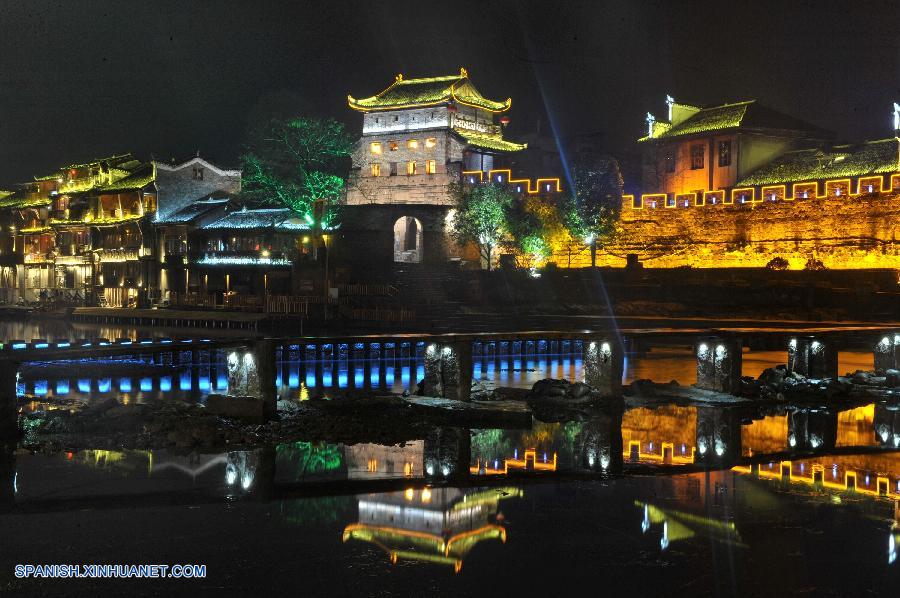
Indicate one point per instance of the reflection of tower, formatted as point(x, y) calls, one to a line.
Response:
point(811, 429)
point(718, 435)
point(7, 481)
point(887, 424)
point(600, 443)
point(447, 453)
point(435, 525)
point(379, 461)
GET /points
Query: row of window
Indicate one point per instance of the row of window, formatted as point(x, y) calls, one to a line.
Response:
point(376, 146)
point(411, 168)
point(698, 156)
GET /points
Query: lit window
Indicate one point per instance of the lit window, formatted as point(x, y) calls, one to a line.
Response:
point(412, 144)
point(697, 156)
point(376, 169)
point(430, 142)
point(429, 166)
point(375, 147)
point(393, 146)
point(725, 153)
point(410, 167)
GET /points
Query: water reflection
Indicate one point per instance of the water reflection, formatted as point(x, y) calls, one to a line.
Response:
point(432, 525)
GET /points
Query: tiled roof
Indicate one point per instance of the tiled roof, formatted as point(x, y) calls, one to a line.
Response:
point(431, 91)
point(490, 142)
point(873, 157)
point(20, 199)
point(274, 218)
point(749, 114)
point(193, 210)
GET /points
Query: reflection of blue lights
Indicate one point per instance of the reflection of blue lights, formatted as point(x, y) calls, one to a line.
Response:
point(404, 376)
point(125, 385)
point(20, 388)
point(278, 379)
point(310, 379)
point(62, 387)
point(146, 384)
point(184, 381)
point(203, 383)
point(342, 378)
point(373, 376)
point(19, 345)
point(104, 384)
point(146, 342)
point(165, 383)
point(222, 382)
point(389, 376)
point(63, 345)
point(420, 373)
point(294, 377)
point(359, 378)
point(84, 385)
point(41, 345)
point(40, 387)
point(476, 370)
point(327, 378)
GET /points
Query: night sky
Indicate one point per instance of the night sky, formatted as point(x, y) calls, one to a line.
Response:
point(83, 78)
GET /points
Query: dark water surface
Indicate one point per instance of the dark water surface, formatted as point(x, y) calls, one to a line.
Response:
point(642, 502)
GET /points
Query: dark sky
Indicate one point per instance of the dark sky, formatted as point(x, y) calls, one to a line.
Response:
point(85, 78)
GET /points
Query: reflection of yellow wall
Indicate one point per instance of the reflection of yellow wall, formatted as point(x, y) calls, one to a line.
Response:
point(766, 435)
point(670, 423)
point(856, 427)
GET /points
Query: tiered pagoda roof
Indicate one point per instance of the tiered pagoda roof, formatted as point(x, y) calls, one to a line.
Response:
point(430, 91)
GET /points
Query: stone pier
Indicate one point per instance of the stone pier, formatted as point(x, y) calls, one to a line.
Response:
point(718, 435)
point(604, 363)
point(448, 370)
point(252, 373)
point(810, 429)
point(447, 454)
point(718, 364)
point(600, 443)
point(887, 351)
point(812, 357)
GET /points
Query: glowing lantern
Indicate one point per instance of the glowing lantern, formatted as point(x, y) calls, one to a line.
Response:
point(504, 120)
point(452, 108)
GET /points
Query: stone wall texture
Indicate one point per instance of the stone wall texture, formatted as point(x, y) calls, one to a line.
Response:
point(842, 233)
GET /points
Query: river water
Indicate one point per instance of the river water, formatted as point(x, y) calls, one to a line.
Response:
point(663, 500)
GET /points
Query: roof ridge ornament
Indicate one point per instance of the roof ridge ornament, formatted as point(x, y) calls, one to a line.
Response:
point(399, 77)
point(651, 120)
point(463, 72)
point(896, 117)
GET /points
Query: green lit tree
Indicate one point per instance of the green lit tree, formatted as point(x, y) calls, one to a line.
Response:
point(591, 210)
point(481, 217)
point(298, 163)
point(526, 233)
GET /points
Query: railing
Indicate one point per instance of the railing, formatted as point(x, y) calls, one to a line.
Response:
point(192, 300)
point(287, 304)
point(369, 290)
point(378, 314)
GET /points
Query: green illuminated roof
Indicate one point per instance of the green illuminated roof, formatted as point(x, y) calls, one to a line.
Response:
point(136, 180)
point(749, 114)
point(431, 91)
point(119, 160)
point(841, 161)
point(20, 200)
point(490, 142)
